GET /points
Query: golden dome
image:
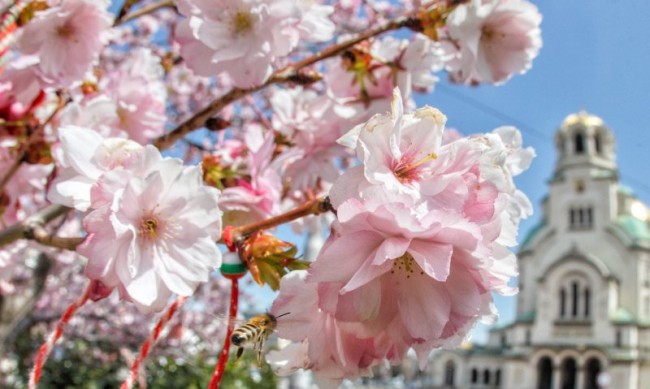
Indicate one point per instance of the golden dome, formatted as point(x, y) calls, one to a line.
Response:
point(583, 118)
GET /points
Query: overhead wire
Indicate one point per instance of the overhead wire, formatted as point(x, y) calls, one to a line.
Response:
point(525, 128)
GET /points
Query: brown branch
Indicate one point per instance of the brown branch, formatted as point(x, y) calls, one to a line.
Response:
point(29, 228)
point(313, 207)
point(10, 172)
point(34, 135)
point(280, 76)
point(142, 11)
point(39, 233)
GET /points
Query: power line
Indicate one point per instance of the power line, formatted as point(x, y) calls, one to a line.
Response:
point(638, 184)
point(492, 111)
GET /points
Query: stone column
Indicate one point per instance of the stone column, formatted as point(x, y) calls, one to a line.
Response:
point(580, 382)
point(557, 369)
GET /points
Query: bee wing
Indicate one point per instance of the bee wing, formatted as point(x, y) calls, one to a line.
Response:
point(223, 318)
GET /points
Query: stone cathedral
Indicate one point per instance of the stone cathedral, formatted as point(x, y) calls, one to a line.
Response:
point(583, 310)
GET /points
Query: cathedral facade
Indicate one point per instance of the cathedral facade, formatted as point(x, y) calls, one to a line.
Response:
point(583, 310)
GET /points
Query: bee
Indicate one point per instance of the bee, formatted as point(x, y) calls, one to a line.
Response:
point(254, 333)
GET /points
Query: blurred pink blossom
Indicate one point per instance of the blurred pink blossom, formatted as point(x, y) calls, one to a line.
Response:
point(496, 38)
point(242, 38)
point(66, 38)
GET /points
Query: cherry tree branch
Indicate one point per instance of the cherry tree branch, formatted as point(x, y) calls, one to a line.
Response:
point(313, 207)
point(124, 17)
point(34, 228)
point(280, 76)
point(20, 158)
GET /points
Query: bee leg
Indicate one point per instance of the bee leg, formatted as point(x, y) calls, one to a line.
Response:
point(240, 351)
point(259, 347)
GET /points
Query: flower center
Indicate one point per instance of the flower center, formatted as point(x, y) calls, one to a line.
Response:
point(65, 30)
point(490, 33)
point(407, 171)
point(405, 265)
point(242, 22)
point(148, 227)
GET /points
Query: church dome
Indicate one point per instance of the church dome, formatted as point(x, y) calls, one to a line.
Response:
point(582, 118)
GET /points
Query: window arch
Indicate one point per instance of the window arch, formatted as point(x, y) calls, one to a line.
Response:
point(579, 140)
point(545, 373)
point(569, 371)
point(486, 376)
point(598, 143)
point(450, 373)
point(474, 375)
point(592, 371)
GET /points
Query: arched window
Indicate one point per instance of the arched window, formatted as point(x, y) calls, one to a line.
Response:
point(575, 298)
point(598, 143)
point(497, 378)
point(569, 370)
point(545, 373)
point(474, 375)
point(486, 376)
point(579, 143)
point(592, 370)
point(450, 373)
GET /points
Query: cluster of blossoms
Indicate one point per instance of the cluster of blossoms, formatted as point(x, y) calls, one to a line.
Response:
point(153, 223)
point(421, 239)
point(428, 216)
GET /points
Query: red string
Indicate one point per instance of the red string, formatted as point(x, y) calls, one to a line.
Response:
point(227, 238)
point(151, 339)
point(47, 347)
point(219, 369)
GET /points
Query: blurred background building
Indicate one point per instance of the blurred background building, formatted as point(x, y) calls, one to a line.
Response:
point(583, 310)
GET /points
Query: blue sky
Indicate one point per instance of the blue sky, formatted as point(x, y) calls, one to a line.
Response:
point(596, 56)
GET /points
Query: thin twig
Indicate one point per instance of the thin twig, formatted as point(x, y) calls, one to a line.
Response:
point(10, 172)
point(22, 229)
point(143, 11)
point(280, 76)
point(23, 152)
point(313, 207)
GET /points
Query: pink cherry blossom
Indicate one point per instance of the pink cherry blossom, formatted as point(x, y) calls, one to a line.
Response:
point(86, 157)
point(359, 100)
point(242, 38)
point(157, 237)
point(413, 62)
point(323, 344)
point(66, 38)
point(260, 197)
point(402, 154)
point(315, 25)
point(497, 38)
point(139, 94)
point(309, 120)
point(19, 87)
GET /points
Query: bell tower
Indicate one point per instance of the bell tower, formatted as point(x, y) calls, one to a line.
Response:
point(585, 146)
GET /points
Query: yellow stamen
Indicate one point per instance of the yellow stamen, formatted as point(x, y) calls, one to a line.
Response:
point(404, 170)
point(242, 22)
point(149, 226)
